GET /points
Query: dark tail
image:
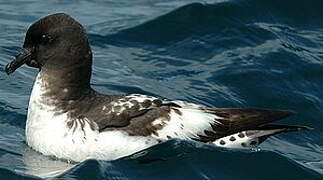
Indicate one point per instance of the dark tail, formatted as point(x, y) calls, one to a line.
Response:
point(265, 131)
point(231, 121)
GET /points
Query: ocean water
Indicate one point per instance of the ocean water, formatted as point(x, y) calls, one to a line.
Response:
point(220, 53)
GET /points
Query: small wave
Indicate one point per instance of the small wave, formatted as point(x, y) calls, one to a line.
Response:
point(229, 17)
point(186, 160)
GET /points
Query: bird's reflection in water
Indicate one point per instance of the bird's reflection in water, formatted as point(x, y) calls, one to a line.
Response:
point(43, 166)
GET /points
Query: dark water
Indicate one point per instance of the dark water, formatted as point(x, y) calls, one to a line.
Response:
point(247, 53)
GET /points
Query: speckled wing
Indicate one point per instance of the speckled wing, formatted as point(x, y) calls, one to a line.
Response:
point(129, 110)
point(141, 115)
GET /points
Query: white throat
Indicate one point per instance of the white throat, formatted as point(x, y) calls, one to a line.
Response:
point(42, 120)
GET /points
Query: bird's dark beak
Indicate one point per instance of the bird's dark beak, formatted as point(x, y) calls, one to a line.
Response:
point(22, 57)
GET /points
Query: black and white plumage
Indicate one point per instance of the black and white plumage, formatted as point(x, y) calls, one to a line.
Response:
point(68, 119)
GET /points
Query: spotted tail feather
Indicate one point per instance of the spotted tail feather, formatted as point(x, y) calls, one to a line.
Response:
point(254, 137)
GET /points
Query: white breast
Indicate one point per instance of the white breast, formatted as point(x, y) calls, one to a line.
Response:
point(48, 133)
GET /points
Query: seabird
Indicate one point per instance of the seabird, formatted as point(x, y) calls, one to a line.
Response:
point(69, 120)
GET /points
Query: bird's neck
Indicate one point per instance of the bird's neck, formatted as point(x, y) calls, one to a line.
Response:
point(64, 84)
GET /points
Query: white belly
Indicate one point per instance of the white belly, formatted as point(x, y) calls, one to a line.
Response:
point(48, 133)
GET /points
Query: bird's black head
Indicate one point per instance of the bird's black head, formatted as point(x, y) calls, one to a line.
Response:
point(54, 42)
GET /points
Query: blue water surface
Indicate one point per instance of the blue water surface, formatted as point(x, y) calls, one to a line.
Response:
point(222, 53)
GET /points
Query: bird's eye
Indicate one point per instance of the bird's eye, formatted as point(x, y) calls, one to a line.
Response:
point(45, 38)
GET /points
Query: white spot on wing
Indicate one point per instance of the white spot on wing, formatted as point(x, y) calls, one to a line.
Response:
point(157, 122)
point(126, 102)
point(187, 105)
